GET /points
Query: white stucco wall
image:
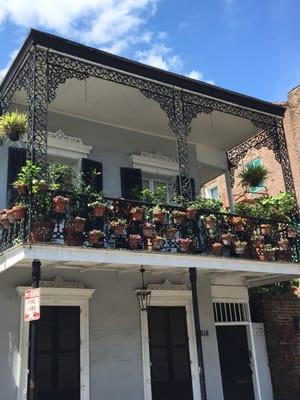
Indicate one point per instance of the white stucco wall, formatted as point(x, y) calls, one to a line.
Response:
point(115, 340)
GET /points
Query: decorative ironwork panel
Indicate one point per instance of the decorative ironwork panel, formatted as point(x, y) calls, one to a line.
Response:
point(37, 99)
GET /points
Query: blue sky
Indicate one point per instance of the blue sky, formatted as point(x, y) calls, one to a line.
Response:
point(251, 46)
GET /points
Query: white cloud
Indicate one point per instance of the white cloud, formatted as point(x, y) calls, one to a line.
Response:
point(96, 22)
point(160, 56)
point(11, 58)
point(195, 75)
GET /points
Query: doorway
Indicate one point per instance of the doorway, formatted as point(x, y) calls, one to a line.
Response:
point(235, 362)
point(57, 353)
point(169, 354)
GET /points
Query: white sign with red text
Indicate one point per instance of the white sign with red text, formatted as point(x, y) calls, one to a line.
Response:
point(32, 304)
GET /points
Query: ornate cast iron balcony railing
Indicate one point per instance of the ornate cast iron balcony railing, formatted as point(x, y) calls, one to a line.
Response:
point(124, 224)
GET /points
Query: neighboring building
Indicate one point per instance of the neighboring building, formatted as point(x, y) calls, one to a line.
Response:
point(275, 181)
point(138, 126)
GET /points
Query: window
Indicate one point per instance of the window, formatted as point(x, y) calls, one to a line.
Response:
point(254, 163)
point(213, 193)
point(154, 183)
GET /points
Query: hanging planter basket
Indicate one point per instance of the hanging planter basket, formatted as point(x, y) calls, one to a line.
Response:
point(60, 204)
point(159, 215)
point(13, 126)
point(19, 212)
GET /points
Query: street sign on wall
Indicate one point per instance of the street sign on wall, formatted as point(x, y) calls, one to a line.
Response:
point(32, 304)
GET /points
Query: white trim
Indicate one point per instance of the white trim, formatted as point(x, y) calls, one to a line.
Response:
point(155, 165)
point(60, 144)
point(58, 297)
point(171, 298)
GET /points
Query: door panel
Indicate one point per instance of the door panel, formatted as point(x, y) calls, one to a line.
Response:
point(169, 354)
point(235, 363)
point(58, 354)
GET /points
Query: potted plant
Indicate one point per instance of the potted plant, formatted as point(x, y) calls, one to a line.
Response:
point(29, 175)
point(283, 244)
point(137, 213)
point(41, 231)
point(78, 224)
point(192, 209)
point(94, 236)
point(19, 210)
point(257, 240)
point(291, 232)
point(270, 252)
point(134, 241)
point(185, 244)
point(238, 223)
point(266, 229)
point(157, 243)
point(210, 221)
point(239, 247)
point(119, 226)
point(42, 186)
point(253, 176)
point(4, 221)
point(178, 217)
point(20, 187)
point(98, 206)
point(170, 232)
point(10, 216)
point(217, 249)
point(60, 203)
point(148, 230)
point(227, 238)
point(72, 238)
point(158, 214)
point(13, 125)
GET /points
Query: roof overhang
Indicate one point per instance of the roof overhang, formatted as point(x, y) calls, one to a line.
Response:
point(254, 273)
point(93, 55)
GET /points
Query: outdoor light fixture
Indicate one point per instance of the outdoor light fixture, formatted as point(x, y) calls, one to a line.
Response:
point(143, 295)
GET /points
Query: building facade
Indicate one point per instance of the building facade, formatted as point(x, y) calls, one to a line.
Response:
point(137, 127)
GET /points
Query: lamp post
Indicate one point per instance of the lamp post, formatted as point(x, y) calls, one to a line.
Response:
point(143, 295)
point(36, 275)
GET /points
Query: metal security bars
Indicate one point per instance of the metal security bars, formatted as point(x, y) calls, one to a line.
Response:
point(235, 312)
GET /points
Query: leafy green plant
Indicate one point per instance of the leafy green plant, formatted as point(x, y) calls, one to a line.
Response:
point(253, 175)
point(202, 203)
point(62, 177)
point(13, 125)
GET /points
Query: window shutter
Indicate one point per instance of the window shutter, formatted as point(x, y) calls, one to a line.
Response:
point(16, 160)
point(178, 187)
point(87, 168)
point(131, 182)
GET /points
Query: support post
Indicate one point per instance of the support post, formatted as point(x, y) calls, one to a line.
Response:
point(193, 281)
point(229, 190)
point(36, 275)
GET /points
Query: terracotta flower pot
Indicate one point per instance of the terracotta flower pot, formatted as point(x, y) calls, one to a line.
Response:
point(42, 231)
point(217, 249)
point(266, 229)
point(78, 224)
point(119, 229)
point(238, 224)
point(170, 233)
point(159, 216)
point(185, 245)
point(283, 244)
point(94, 236)
point(270, 255)
point(4, 221)
point(137, 214)
point(21, 188)
point(134, 241)
point(19, 212)
point(257, 242)
point(191, 213)
point(71, 238)
point(60, 204)
point(98, 211)
point(157, 243)
point(11, 216)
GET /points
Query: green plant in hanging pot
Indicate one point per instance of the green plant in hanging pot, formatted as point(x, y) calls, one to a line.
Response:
point(253, 176)
point(13, 125)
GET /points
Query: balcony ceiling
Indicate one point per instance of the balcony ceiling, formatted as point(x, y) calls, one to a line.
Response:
point(127, 107)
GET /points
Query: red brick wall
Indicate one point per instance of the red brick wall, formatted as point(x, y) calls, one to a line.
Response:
point(283, 342)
